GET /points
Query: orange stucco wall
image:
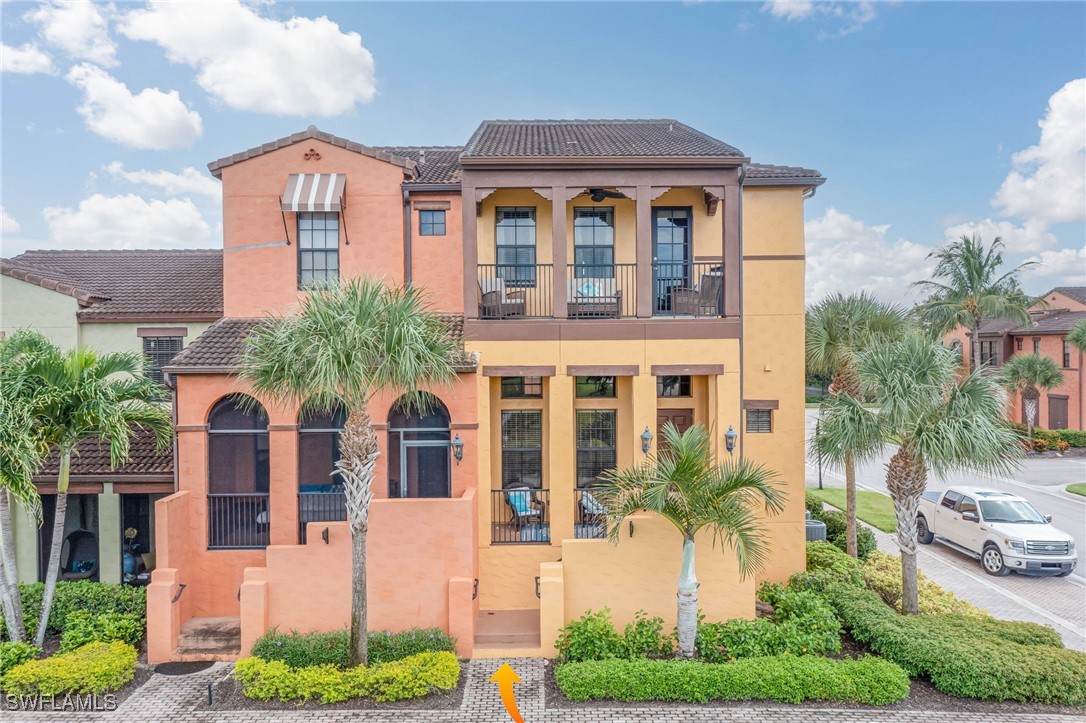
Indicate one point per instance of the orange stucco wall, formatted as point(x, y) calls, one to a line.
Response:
point(1051, 346)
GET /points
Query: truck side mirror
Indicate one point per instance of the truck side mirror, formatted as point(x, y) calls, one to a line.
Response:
point(1048, 518)
point(970, 517)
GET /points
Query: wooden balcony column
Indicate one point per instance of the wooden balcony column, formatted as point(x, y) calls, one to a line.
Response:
point(559, 196)
point(643, 196)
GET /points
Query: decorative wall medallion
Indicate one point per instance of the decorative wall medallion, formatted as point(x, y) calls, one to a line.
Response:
point(312, 154)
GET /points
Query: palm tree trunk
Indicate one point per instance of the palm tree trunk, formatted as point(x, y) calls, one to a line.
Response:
point(687, 616)
point(53, 570)
point(850, 506)
point(905, 480)
point(975, 344)
point(9, 578)
point(359, 450)
point(1030, 395)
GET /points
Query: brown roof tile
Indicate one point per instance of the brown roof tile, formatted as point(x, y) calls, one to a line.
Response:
point(764, 174)
point(219, 350)
point(1078, 293)
point(587, 138)
point(91, 457)
point(128, 283)
point(435, 164)
point(1055, 322)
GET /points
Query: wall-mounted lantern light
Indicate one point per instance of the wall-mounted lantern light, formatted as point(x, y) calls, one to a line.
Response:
point(646, 440)
point(458, 448)
point(729, 439)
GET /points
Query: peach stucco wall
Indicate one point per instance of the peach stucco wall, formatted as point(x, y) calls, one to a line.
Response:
point(260, 271)
point(1051, 346)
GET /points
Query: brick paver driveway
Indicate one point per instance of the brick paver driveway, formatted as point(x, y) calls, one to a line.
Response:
point(175, 699)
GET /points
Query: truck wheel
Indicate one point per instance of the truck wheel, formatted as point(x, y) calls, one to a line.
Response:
point(923, 535)
point(992, 561)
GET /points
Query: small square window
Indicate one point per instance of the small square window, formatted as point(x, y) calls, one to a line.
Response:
point(759, 421)
point(522, 387)
point(595, 387)
point(431, 223)
point(1036, 345)
point(673, 386)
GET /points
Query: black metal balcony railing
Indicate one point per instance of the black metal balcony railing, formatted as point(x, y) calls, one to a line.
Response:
point(515, 291)
point(520, 515)
point(686, 288)
point(237, 521)
point(590, 517)
point(601, 291)
point(320, 507)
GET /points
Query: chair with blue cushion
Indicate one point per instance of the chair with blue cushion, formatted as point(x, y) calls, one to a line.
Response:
point(525, 505)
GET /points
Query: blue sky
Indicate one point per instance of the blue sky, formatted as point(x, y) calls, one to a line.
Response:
point(924, 116)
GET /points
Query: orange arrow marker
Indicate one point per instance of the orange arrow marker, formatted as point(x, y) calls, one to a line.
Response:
point(505, 676)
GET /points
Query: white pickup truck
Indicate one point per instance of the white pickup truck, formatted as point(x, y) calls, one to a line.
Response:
point(1003, 531)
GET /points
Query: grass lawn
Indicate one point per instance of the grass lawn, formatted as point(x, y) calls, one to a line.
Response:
point(874, 508)
point(1077, 489)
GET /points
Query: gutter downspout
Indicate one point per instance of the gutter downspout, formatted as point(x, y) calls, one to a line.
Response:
point(171, 384)
point(742, 332)
point(407, 237)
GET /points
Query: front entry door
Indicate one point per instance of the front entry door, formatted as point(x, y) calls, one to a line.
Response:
point(683, 419)
point(1057, 412)
point(425, 468)
point(670, 254)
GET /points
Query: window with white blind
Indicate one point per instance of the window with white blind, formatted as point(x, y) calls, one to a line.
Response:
point(522, 448)
point(594, 242)
point(595, 444)
point(514, 235)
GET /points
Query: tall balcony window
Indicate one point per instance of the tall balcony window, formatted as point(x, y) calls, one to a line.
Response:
point(515, 238)
point(594, 242)
point(318, 249)
point(238, 474)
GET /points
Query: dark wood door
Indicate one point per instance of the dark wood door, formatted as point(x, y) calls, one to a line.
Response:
point(681, 418)
point(1057, 412)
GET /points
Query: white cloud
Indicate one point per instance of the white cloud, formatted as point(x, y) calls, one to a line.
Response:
point(186, 183)
point(1031, 237)
point(77, 28)
point(1065, 267)
point(845, 254)
point(127, 221)
point(149, 120)
point(789, 9)
point(849, 16)
point(1048, 182)
point(300, 66)
point(25, 59)
point(8, 224)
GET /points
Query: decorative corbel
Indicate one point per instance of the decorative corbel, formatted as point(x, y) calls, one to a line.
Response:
point(713, 194)
point(480, 196)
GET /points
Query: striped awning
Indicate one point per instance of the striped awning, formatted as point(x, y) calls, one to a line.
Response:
point(314, 192)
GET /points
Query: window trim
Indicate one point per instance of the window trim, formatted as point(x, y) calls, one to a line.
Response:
point(517, 282)
point(689, 384)
point(154, 370)
point(324, 251)
point(580, 268)
point(613, 413)
point(432, 224)
point(1066, 353)
point(537, 450)
point(524, 384)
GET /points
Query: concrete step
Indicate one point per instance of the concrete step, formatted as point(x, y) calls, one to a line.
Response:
point(507, 629)
point(211, 638)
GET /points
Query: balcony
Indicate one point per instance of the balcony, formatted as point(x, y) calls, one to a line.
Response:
point(323, 506)
point(520, 515)
point(675, 289)
point(237, 521)
point(590, 517)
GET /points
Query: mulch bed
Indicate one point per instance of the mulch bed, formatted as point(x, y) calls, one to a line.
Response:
point(227, 695)
point(922, 697)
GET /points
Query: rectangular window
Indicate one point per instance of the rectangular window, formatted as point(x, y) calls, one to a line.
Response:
point(522, 448)
point(431, 223)
point(759, 421)
point(1066, 354)
point(1018, 344)
point(673, 386)
point(594, 243)
point(950, 499)
point(1036, 345)
point(522, 387)
point(160, 349)
point(988, 353)
point(318, 249)
point(515, 238)
point(956, 347)
point(595, 387)
point(595, 444)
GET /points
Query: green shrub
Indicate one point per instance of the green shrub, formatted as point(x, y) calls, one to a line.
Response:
point(1073, 437)
point(837, 528)
point(592, 637)
point(866, 543)
point(411, 677)
point(882, 573)
point(301, 650)
point(93, 597)
point(82, 627)
point(645, 637)
point(94, 668)
point(827, 565)
point(964, 656)
point(12, 654)
point(783, 678)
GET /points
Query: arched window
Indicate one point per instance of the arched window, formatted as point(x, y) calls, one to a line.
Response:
point(320, 490)
point(238, 473)
point(418, 449)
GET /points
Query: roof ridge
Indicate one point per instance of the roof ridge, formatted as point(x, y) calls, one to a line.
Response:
point(525, 121)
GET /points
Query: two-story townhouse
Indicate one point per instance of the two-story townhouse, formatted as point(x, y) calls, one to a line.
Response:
point(607, 277)
point(149, 302)
point(1051, 320)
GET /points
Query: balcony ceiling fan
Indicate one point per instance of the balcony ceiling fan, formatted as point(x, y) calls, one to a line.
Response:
point(598, 194)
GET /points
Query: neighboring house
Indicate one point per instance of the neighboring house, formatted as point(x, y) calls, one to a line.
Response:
point(606, 277)
point(152, 302)
point(1051, 319)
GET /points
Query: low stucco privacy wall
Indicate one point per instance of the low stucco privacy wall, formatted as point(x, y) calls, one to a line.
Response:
point(420, 572)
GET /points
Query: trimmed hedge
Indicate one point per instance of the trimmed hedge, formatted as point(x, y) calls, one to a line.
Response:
point(300, 650)
point(411, 677)
point(1072, 437)
point(593, 637)
point(837, 528)
point(827, 565)
point(12, 654)
point(94, 668)
point(82, 627)
point(882, 573)
point(783, 678)
point(967, 657)
point(93, 597)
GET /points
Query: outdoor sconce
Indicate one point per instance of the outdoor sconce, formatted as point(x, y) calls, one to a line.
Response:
point(729, 439)
point(646, 440)
point(458, 448)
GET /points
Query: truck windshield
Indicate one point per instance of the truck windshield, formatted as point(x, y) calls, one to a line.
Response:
point(1010, 511)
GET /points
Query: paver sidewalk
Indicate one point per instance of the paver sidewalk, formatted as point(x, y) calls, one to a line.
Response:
point(174, 700)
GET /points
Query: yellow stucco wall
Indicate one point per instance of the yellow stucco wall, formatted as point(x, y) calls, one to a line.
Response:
point(52, 313)
point(123, 337)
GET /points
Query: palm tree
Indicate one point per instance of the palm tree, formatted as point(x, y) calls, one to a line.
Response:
point(1025, 373)
point(1077, 336)
point(837, 328)
point(80, 394)
point(967, 287)
point(939, 419)
point(684, 484)
point(348, 344)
